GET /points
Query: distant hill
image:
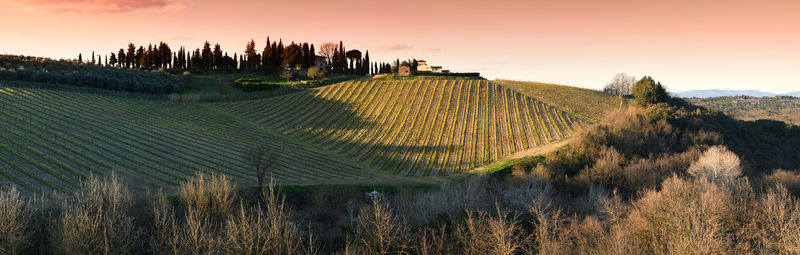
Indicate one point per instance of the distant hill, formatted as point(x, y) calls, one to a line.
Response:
point(723, 93)
point(754, 108)
point(794, 94)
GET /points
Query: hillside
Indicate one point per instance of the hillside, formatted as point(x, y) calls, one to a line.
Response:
point(786, 109)
point(49, 140)
point(411, 127)
point(584, 103)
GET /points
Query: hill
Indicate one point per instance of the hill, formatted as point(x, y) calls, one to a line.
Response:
point(584, 103)
point(786, 109)
point(722, 93)
point(415, 127)
point(49, 140)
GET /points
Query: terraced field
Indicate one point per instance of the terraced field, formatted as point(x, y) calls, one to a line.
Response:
point(50, 140)
point(584, 103)
point(415, 127)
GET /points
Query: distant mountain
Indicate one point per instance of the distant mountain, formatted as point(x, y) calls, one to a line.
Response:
point(794, 94)
point(723, 93)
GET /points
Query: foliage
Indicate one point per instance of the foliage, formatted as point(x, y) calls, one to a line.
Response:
point(785, 109)
point(254, 84)
point(44, 70)
point(648, 92)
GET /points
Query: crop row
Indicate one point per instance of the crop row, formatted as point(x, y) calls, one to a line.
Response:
point(414, 127)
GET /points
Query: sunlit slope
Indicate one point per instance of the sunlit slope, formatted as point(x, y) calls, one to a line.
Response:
point(414, 127)
point(49, 140)
point(584, 103)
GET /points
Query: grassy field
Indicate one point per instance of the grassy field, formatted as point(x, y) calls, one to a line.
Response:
point(411, 127)
point(584, 103)
point(50, 140)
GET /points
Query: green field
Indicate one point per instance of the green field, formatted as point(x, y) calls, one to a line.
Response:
point(52, 139)
point(584, 103)
point(356, 130)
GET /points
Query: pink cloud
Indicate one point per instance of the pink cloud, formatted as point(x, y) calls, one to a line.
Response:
point(395, 47)
point(101, 6)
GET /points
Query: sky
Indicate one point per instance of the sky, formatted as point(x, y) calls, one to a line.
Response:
point(684, 44)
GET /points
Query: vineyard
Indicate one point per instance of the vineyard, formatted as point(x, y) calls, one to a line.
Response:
point(584, 103)
point(50, 140)
point(423, 127)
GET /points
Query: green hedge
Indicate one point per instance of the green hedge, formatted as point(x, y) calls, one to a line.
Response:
point(254, 84)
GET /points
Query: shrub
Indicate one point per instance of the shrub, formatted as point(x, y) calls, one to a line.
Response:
point(647, 92)
point(717, 164)
point(789, 179)
point(379, 231)
point(212, 194)
point(779, 222)
point(15, 220)
point(96, 219)
point(684, 217)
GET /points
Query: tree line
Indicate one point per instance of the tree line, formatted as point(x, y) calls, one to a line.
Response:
point(275, 58)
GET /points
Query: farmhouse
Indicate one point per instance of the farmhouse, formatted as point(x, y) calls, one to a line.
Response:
point(422, 66)
point(404, 71)
point(321, 62)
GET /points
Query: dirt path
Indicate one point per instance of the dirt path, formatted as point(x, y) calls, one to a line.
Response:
point(525, 153)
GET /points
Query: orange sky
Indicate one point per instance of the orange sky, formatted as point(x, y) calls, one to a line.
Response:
point(685, 44)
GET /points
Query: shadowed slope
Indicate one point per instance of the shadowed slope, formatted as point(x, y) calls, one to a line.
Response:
point(414, 127)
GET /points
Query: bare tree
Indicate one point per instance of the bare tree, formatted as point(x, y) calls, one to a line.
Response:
point(260, 159)
point(621, 85)
point(327, 49)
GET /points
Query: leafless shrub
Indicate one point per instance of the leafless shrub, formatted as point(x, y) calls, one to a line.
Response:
point(283, 235)
point(550, 234)
point(379, 230)
point(684, 217)
point(717, 164)
point(433, 241)
point(779, 222)
point(478, 193)
point(15, 217)
point(482, 233)
point(96, 220)
point(211, 195)
point(165, 235)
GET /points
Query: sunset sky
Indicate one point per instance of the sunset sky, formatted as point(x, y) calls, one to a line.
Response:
point(685, 44)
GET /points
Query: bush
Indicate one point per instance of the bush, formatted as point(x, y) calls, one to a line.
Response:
point(254, 84)
point(212, 194)
point(96, 220)
point(717, 164)
point(15, 221)
point(647, 92)
point(789, 179)
point(779, 222)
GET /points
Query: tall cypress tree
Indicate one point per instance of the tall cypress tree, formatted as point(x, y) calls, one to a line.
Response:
point(365, 66)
